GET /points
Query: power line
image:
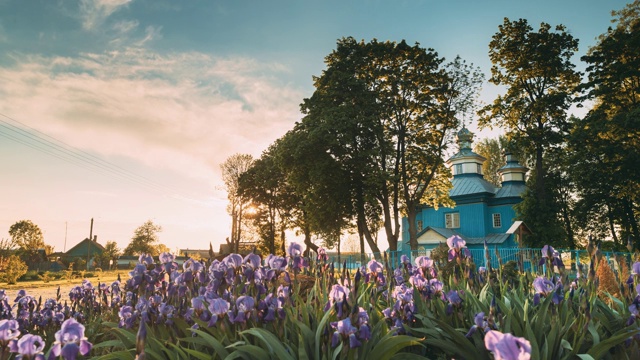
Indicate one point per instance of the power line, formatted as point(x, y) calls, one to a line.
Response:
point(63, 151)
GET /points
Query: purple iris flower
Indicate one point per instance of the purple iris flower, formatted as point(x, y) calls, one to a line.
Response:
point(218, 307)
point(70, 340)
point(507, 346)
point(145, 259)
point(244, 307)
point(9, 330)
point(277, 263)
point(344, 330)
point(295, 250)
point(253, 261)
point(21, 293)
point(167, 258)
point(233, 260)
point(126, 317)
point(424, 262)
point(192, 266)
point(542, 287)
point(480, 322)
point(454, 298)
point(337, 296)
point(374, 267)
point(456, 242)
point(636, 268)
point(28, 347)
point(322, 255)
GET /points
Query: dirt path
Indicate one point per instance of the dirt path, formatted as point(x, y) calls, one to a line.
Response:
point(49, 290)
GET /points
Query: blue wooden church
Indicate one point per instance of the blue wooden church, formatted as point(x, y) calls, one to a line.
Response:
point(482, 211)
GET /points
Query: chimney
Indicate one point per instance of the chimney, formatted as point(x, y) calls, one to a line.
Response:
point(95, 238)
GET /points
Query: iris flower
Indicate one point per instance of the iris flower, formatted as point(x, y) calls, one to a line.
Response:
point(28, 347)
point(507, 346)
point(70, 340)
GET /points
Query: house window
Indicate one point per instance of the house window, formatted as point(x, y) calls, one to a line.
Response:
point(497, 221)
point(457, 169)
point(419, 225)
point(452, 220)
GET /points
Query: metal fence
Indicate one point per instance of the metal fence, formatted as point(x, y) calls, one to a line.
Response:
point(526, 258)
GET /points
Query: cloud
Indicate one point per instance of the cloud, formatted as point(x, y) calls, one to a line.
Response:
point(186, 112)
point(95, 12)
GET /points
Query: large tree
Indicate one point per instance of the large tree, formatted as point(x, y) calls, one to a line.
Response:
point(384, 111)
point(607, 140)
point(539, 78)
point(493, 151)
point(144, 240)
point(28, 238)
point(232, 169)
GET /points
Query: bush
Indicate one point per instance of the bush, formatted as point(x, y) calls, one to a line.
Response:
point(29, 276)
point(45, 277)
point(14, 269)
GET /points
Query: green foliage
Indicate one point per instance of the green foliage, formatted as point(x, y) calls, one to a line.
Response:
point(46, 277)
point(144, 239)
point(541, 216)
point(14, 269)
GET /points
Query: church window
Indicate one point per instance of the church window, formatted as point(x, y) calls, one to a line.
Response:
point(458, 169)
point(452, 220)
point(497, 221)
point(419, 225)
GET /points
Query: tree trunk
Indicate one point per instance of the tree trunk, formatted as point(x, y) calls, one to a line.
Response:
point(361, 237)
point(611, 223)
point(632, 219)
point(413, 231)
point(308, 243)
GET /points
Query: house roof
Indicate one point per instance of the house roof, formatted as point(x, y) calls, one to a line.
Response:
point(444, 232)
point(518, 224)
point(469, 185)
point(491, 239)
point(511, 189)
point(83, 243)
point(494, 238)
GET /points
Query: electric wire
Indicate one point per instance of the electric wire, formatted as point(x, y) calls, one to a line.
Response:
point(78, 157)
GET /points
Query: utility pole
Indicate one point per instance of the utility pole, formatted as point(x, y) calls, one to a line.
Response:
point(89, 244)
point(65, 237)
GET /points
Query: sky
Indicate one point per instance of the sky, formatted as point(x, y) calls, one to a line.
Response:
point(123, 110)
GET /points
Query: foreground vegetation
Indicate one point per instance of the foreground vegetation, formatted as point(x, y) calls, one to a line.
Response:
point(300, 308)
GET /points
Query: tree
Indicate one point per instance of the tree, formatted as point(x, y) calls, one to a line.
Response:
point(607, 140)
point(493, 151)
point(144, 240)
point(7, 248)
point(273, 199)
point(232, 169)
point(14, 269)
point(111, 252)
point(536, 69)
point(28, 237)
point(382, 112)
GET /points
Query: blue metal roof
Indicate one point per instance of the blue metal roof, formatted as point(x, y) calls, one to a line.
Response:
point(491, 239)
point(469, 185)
point(511, 189)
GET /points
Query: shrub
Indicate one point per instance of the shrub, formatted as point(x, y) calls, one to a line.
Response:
point(14, 269)
point(45, 277)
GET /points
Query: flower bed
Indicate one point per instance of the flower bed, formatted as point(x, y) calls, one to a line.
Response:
point(294, 307)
